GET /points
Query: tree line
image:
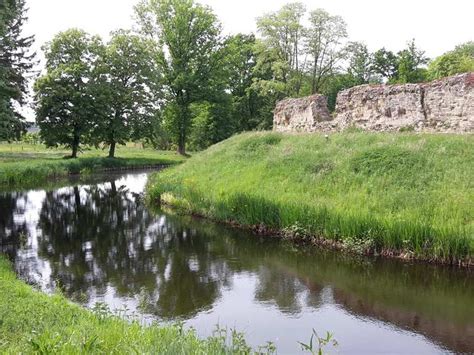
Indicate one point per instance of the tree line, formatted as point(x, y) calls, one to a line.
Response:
point(177, 82)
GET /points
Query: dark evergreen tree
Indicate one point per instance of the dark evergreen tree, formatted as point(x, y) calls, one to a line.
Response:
point(16, 63)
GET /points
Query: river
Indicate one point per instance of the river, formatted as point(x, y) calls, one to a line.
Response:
point(97, 241)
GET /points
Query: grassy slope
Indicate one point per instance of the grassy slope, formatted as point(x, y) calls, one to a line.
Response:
point(390, 193)
point(29, 164)
point(32, 322)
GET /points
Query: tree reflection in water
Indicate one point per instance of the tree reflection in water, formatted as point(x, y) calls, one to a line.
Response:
point(100, 242)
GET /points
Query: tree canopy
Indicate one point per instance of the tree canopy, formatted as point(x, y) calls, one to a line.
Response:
point(189, 38)
point(66, 108)
point(459, 60)
point(16, 63)
point(177, 82)
point(127, 79)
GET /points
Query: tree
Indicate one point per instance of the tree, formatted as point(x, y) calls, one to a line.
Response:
point(323, 44)
point(385, 64)
point(459, 60)
point(404, 67)
point(16, 63)
point(66, 105)
point(410, 62)
point(240, 60)
point(188, 35)
point(127, 78)
point(281, 33)
point(360, 63)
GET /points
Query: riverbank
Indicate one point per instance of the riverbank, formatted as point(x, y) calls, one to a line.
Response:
point(403, 195)
point(23, 165)
point(33, 322)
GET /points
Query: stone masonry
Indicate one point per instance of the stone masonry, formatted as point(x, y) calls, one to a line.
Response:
point(445, 105)
point(301, 115)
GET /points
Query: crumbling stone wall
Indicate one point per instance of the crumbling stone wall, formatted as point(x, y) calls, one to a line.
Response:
point(449, 104)
point(445, 105)
point(380, 107)
point(301, 115)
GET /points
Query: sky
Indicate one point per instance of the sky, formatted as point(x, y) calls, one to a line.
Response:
point(436, 25)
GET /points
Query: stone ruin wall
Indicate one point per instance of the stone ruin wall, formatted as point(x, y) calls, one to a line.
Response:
point(301, 115)
point(445, 105)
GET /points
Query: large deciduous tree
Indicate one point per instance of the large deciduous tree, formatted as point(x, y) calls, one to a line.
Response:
point(16, 62)
point(385, 64)
point(407, 66)
point(410, 64)
point(323, 42)
point(282, 33)
point(189, 37)
point(66, 105)
point(127, 79)
point(360, 62)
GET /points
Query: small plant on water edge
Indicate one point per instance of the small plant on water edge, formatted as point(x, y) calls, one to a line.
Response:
point(322, 343)
point(359, 246)
point(237, 344)
point(101, 310)
point(296, 232)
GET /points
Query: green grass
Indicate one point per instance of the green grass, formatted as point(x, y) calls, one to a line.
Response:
point(401, 194)
point(33, 322)
point(23, 165)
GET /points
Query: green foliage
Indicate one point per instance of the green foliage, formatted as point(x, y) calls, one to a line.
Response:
point(322, 343)
point(31, 138)
point(188, 35)
point(360, 64)
point(66, 105)
point(127, 76)
point(16, 62)
point(407, 66)
point(382, 193)
point(385, 64)
point(279, 51)
point(202, 127)
point(23, 165)
point(460, 60)
point(410, 62)
point(250, 110)
point(32, 322)
point(323, 45)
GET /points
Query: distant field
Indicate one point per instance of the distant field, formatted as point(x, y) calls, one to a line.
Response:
point(410, 195)
point(26, 164)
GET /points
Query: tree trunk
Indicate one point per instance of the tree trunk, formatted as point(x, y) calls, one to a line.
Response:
point(182, 143)
point(75, 147)
point(112, 149)
point(183, 127)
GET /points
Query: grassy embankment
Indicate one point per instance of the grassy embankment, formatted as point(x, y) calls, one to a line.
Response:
point(408, 195)
point(33, 322)
point(27, 165)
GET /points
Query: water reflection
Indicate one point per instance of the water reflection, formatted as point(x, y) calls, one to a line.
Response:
point(99, 242)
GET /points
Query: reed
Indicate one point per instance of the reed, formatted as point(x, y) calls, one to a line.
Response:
point(401, 194)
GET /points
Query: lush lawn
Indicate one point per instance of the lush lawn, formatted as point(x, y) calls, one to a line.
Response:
point(400, 194)
point(32, 322)
point(25, 165)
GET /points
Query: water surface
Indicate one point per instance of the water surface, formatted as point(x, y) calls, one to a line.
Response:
point(98, 242)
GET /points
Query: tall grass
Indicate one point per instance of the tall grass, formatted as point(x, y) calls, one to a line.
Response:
point(27, 165)
point(32, 322)
point(404, 194)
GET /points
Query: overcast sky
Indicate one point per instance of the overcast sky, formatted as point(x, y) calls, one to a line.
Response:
point(436, 25)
